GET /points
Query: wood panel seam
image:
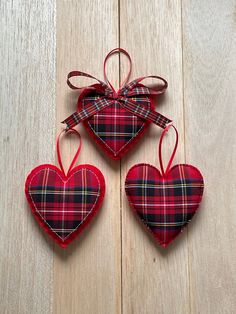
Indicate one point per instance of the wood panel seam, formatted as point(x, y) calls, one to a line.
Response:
point(184, 138)
point(121, 189)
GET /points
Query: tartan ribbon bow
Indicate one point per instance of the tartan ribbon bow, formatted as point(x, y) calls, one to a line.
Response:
point(105, 95)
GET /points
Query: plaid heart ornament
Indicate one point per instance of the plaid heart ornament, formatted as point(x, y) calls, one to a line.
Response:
point(116, 119)
point(64, 204)
point(165, 201)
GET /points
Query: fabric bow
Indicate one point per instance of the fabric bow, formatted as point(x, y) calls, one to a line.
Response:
point(102, 95)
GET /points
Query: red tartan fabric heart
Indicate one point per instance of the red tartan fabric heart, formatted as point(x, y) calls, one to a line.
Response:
point(114, 128)
point(164, 204)
point(64, 205)
point(116, 119)
point(164, 201)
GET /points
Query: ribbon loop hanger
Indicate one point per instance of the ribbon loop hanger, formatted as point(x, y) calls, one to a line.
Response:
point(59, 153)
point(113, 51)
point(164, 172)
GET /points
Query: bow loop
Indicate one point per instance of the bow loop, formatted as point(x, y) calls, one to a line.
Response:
point(101, 87)
point(135, 88)
point(105, 95)
point(135, 91)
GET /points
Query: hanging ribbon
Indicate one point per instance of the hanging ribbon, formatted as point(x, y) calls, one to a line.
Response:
point(104, 95)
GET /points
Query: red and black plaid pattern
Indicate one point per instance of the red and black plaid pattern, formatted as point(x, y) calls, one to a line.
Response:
point(139, 110)
point(116, 121)
point(134, 88)
point(64, 204)
point(91, 109)
point(127, 100)
point(101, 86)
point(164, 204)
point(114, 126)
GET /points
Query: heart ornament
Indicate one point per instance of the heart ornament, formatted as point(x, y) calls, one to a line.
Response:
point(165, 201)
point(116, 120)
point(64, 204)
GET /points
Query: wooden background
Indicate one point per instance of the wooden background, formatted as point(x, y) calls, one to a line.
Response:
point(114, 267)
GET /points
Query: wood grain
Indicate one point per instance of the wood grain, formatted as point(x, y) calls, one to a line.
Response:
point(209, 96)
point(154, 280)
point(27, 138)
point(114, 267)
point(87, 274)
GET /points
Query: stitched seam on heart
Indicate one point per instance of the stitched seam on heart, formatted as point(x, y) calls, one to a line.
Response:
point(145, 222)
point(64, 182)
point(116, 153)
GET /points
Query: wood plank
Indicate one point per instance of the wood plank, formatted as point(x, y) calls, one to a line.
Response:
point(210, 91)
point(27, 139)
point(154, 280)
point(87, 274)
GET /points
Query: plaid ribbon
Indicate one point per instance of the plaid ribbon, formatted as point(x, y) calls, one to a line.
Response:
point(104, 96)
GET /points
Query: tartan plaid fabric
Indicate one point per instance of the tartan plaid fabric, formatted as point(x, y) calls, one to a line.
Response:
point(94, 105)
point(164, 204)
point(127, 101)
point(136, 107)
point(114, 126)
point(116, 121)
point(101, 86)
point(136, 88)
point(64, 204)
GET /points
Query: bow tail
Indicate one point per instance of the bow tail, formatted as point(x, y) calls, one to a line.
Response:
point(85, 113)
point(146, 114)
point(72, 120)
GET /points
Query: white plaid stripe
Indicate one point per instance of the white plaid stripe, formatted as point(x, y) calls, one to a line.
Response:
point(44, 205)
point(115, 134)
